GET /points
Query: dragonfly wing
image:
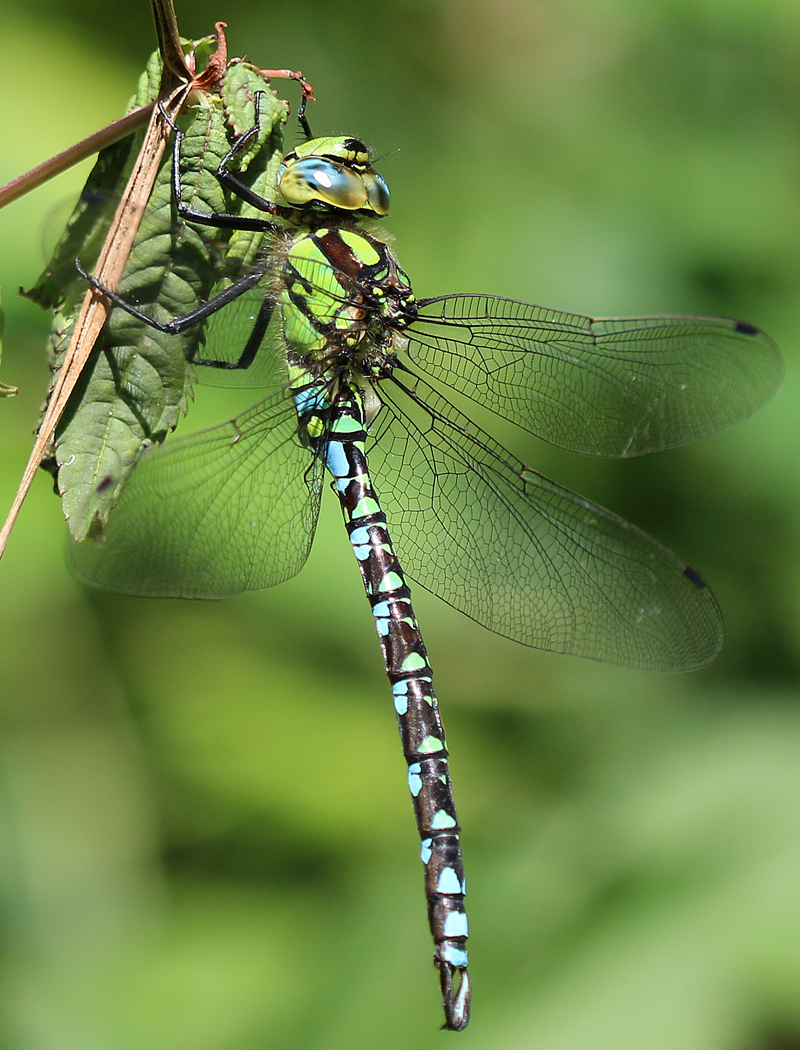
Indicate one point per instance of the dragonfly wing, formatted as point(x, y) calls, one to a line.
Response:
point(249, 327)
point(523, 556)
point(228, 509)
point(607, 387)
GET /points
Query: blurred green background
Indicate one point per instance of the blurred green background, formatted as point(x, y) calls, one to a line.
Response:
point(207, 842)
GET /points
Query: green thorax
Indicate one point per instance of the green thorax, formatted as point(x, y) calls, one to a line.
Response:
point(345, 304)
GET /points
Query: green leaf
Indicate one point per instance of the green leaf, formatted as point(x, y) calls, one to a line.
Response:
point(137, 384)
point(260, 164)
point(59, 285)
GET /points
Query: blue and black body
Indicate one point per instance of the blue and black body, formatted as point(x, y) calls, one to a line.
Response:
point(365, 377)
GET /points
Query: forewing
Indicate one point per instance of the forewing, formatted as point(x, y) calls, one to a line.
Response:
point(613, 387)
point(228, 509)
point(523, 556)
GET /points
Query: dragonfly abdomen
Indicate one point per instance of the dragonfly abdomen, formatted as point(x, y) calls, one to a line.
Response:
point(421, 729)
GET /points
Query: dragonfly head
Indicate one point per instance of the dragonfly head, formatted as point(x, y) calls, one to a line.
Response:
point(333, 173)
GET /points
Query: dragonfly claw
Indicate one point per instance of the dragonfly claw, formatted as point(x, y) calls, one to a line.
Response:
point(456, 1000)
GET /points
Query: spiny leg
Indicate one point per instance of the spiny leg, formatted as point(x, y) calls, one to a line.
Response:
point(178, 324)
point(222, 220)
point(306, 97)
point(418, 718)
point(211, 306)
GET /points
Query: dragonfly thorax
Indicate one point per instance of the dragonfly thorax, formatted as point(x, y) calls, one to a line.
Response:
point(346, 303)
point(333, 173)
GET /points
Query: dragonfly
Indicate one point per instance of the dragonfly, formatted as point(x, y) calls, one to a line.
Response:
point(368, 381)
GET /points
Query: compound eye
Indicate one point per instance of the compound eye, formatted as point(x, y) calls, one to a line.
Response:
point(317, 179)
point(378, 195)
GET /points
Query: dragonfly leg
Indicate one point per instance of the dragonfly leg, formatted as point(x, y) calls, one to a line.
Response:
point(302, 120)
point(251, 347)
point(221, 220)
point(229, 180)
point(178, 324)
point(307, 94)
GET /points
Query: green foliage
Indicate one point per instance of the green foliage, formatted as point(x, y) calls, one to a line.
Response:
point(136, 386)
